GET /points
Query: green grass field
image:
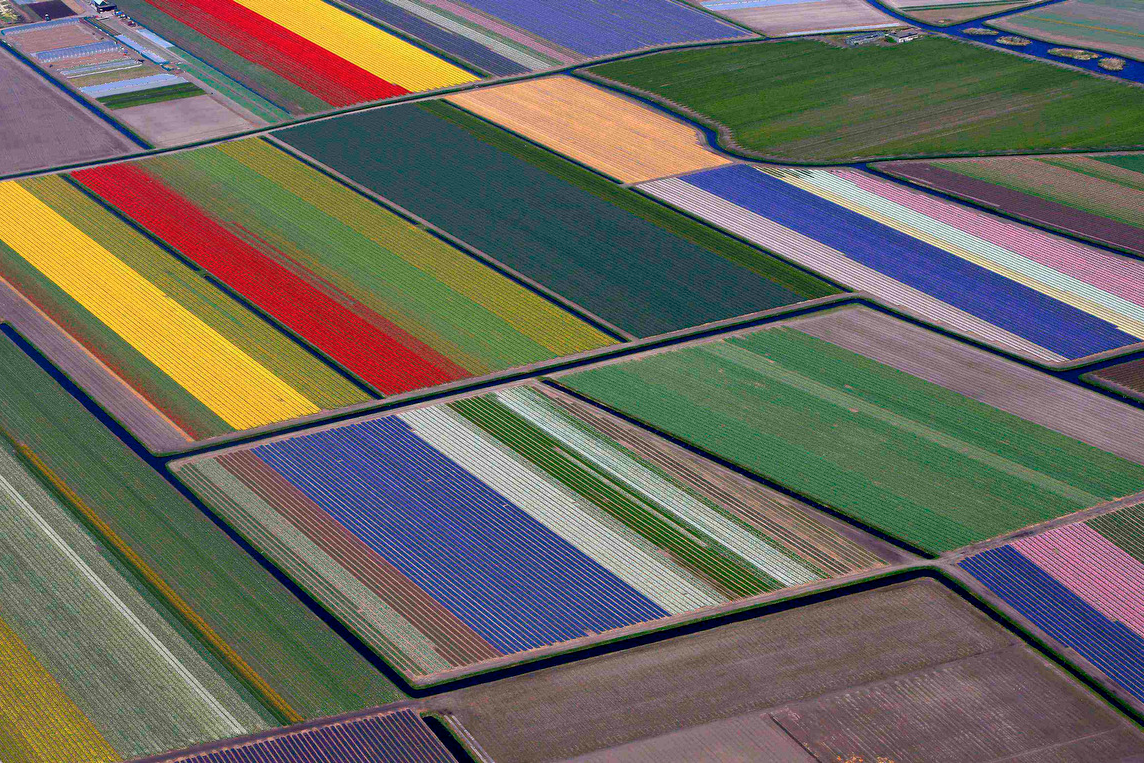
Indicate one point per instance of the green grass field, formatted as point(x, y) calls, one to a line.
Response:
point(915, 460)
point(315, 671)
point(803, 100)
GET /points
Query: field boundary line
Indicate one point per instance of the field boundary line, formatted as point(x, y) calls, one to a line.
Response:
point(1064, 656)
point(620, 351)
point(508, 377)
point(726, 143)
point(949, 31)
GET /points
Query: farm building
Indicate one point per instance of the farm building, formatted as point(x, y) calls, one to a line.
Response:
point(866, 38)
point(904, 35)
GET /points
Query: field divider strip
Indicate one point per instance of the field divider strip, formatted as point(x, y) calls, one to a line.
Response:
point(191, 619)
point(984, 206)
point(1069, 371)
point(465, 387)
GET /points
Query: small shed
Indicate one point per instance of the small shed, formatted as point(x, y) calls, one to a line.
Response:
point(904, 35)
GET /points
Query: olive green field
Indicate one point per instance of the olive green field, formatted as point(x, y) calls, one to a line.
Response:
point(809, 101)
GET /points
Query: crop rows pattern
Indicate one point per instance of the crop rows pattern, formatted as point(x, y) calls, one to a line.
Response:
point(455, 534)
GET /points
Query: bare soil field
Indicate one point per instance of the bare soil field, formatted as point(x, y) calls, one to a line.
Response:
point(778, 19)
point(40, 126)
point(186, 120)
point(1115, 26)
point(735, 684)
point(607, 132)
point(960, 711)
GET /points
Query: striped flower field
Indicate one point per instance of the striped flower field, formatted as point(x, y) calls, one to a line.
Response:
point(515, 36)
point(456, 534)
point(915, 460)
point(389, 736)
point(1083, 584)
point(175, 561)
point(1100, 198)
point(580, 235)
point(1028, 292)
point(304, 55)
point(93, 659)
point(204, 361)
point(395, 306)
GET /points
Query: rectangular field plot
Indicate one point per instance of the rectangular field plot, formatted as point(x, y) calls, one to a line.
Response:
point(393, 305)
point(202, 360)
point(453, 535)
point(41, 126)
point(388, 736)
point(131, 624)
point(850, 678)
point(890, 433)
point(300, 55)
point(1116, 26)
point(576, 233)
point(605, 131)
point(1028, 292)
point(1100, 198)
point(778, 18)
point(1083, 584)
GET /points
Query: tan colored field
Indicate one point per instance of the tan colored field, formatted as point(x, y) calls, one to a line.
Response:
point(185, 120)
point(810, 16)
point(955, 14)
point(607, 132)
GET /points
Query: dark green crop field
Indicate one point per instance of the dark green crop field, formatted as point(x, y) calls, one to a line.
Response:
point(315, 671)
point(803, 100)
point(915, 460)
point(628, 259)
point(154, 95)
